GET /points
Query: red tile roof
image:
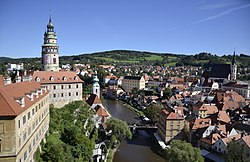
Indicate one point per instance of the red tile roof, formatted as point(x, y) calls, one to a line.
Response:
point(8, 93)
point(56, 77)
point(93, 99)
point(102, 112)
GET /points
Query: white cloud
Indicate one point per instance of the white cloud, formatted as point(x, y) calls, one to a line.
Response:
point(220, 14)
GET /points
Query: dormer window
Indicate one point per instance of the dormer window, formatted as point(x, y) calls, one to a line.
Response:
point(37, 79)
point(20, 100)
point(51, 78)
point(64, 78)
point(30, 96)
point(75, 78)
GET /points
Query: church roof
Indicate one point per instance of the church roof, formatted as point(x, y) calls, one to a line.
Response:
point(219, 71)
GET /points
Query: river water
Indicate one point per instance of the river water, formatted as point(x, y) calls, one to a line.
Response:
point(137, 149)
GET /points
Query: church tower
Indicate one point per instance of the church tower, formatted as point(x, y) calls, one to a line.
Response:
point(233, 68)
point(50, 59)
point(96, 86)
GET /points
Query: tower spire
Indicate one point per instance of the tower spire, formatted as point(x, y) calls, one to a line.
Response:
point(50, 15)
point(234, 58)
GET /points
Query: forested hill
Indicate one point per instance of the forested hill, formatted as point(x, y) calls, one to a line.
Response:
point(127, 57)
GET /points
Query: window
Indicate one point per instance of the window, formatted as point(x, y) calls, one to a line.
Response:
point(28, 115)
point(25, 155)
point(69, 94)
point(54, 60)
point(54, 87)
point(19, 124)
point(33, 111)
point(69, 86)
point(24, 136)
point(62, 94)
point(29, 131)
point(77, 93)
point(19, 142)
point(61, 86)
point(54, 95)
point(36, 108)
point(77, 86)
point(29, 148)
point(24, 119)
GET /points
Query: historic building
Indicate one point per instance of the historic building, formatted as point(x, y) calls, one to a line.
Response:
point(50, 59)
point(220, 73)
point(170, 125)
point(24, 120)
point(96, 86)
point(131, 82)
point(65, 86)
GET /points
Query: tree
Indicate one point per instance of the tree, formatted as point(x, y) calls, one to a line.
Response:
point(152, 112)
point(235, 152)
point(119, 129)
point(182, 151)
point(167, 93)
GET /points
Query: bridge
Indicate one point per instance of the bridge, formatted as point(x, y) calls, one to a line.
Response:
point(136, 127)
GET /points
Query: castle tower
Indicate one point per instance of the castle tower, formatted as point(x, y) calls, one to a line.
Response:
point(96, 86)
point(50, 59)
point(233, 68)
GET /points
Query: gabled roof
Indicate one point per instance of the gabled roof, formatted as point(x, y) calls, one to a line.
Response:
point(48, 77)
point(93, 99)
point(219, 71)
point(246, 139)
point(102, 112)
point(10, 94)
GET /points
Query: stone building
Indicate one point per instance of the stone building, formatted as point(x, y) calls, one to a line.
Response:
point(24, 120)
point(65, 86)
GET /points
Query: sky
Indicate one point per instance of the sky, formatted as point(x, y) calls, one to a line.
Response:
point(87, 26)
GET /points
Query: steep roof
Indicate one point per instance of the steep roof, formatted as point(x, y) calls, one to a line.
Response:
point(56, 77)
point(102, 112)
point(220, 71)
point(246, 139)
point(10, 95)
point(93, 99)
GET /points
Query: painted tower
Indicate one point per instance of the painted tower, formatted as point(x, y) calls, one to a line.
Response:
point(50, 59)
point(96, 86)
point(233, 68)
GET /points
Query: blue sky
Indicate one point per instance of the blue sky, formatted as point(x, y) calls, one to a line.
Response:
point(87, 26)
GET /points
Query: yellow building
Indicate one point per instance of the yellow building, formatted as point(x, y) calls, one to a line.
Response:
point(24, 120)
point(131, 82)
point(170, 125)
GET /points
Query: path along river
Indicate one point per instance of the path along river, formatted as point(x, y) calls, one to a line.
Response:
point(137, 149)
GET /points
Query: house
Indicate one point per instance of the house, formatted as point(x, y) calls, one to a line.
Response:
point(242, 89)
point(93, 101)
point(24, 120)
point(131, 82)
point(202, 110)
point(65, 86)
point(170, 125)
point(221, 144)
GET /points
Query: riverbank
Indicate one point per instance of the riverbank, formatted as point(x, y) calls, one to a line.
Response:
point(139, 148)
point(138, 112)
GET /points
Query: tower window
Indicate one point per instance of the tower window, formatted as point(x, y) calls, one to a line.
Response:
point(54, 60)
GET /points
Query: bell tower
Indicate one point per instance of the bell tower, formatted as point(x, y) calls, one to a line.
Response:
point(233, 68)
point(50, 59)
point(96, 86)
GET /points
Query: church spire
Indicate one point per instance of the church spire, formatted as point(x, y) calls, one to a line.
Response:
point(234, 58)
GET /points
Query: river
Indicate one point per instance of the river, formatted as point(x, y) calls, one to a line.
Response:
point(137, 149)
